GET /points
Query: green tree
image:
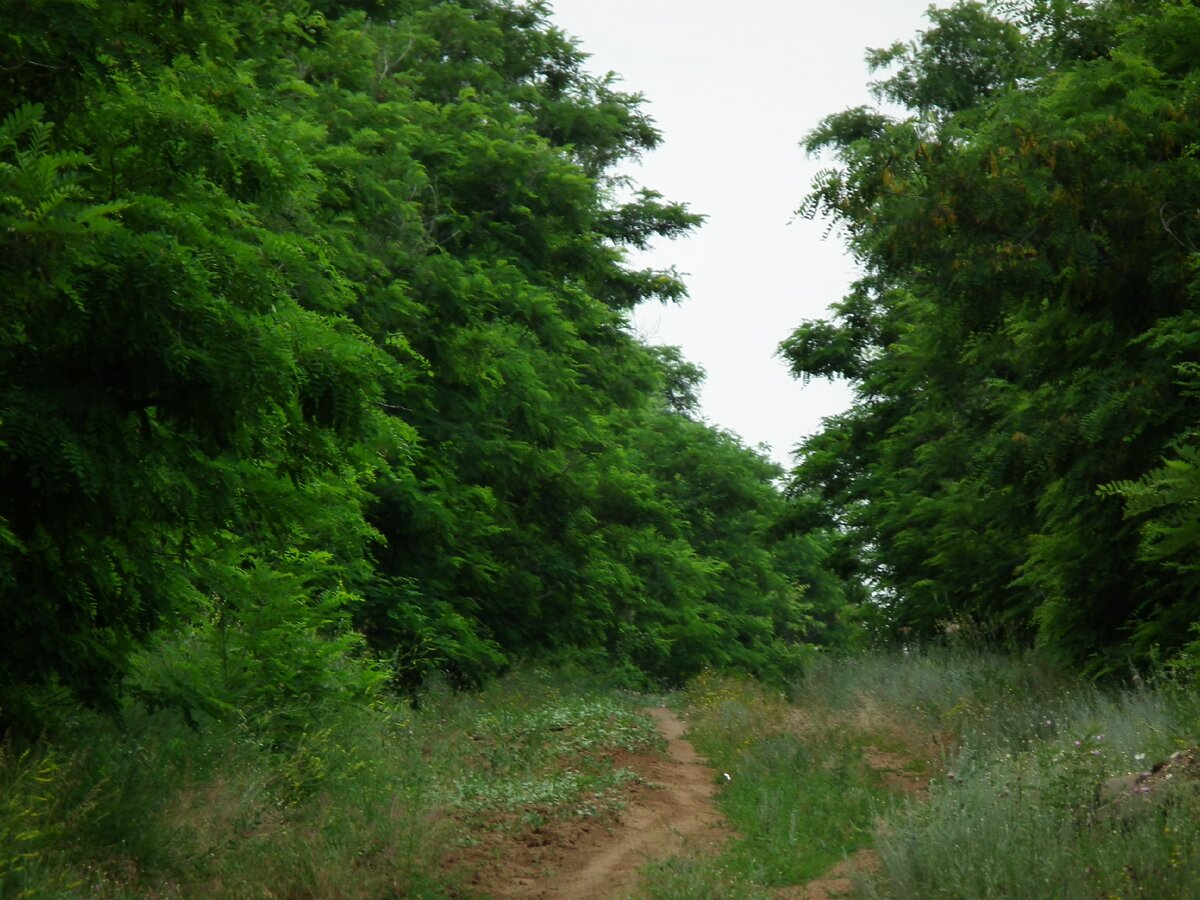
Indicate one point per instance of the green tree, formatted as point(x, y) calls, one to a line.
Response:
point(316, 321)
point(1026, 237)
point(179, 378)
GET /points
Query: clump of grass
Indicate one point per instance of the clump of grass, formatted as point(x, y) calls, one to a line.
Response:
point(921, 693)
point(1030, 795)
point(1033, 824)
point(697, 876)
point(552, 758)
point(157, 807)
point(801, 807)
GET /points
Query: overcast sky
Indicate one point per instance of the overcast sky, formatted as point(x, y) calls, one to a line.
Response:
point(734, 88)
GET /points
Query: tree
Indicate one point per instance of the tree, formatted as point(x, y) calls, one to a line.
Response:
point(1014, 342)
point(315, 337)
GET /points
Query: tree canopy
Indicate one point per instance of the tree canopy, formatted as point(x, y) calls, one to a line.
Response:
point(314, 343)
point(1021, 452)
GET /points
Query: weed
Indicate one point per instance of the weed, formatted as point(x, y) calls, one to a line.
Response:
point(1033, 790)
point(1019, 805)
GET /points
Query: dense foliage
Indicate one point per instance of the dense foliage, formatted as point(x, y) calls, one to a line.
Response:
point(314, 333)
point(1022, 450)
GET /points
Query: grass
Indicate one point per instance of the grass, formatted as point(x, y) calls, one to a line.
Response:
point(1027, 806)
point(365, 802)
point(1030, 792)
point(798, 795)
point(158, 808)
point(1033, 794)
point(545, 756)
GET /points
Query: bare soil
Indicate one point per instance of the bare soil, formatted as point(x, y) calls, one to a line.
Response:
point(837, 882)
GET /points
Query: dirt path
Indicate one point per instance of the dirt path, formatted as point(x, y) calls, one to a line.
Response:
point(583, 859)
point(586, 861)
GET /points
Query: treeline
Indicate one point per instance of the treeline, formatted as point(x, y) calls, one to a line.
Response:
point(1023, 452)
point(315, 367)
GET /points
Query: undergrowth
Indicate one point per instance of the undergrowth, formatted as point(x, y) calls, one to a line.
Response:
point(1040, 795)
point(1032, 779)
point(1036, 790)
point(366, 801)
point(1032, 786)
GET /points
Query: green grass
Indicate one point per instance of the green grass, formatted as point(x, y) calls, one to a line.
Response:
point(364, 802)
point(156, 807)
point(1020, 805)
point(799, 808)
point(390, 799)
point(700, 877)
point(1019, 808)
point(542, 755)
point(1026, 809)
point(799, 799)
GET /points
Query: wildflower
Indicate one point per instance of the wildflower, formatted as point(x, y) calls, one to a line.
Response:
point(728, 777)
point(1139, 757)
point(1099, 738)
point(1094, 752)
point(1079, 743)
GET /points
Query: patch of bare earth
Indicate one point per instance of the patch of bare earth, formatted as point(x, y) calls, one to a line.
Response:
point(837, 882)
point(901, 775)
point(1126, 797)
point(598, 858)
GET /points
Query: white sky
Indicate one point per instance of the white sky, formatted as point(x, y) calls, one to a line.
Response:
point(734, 87)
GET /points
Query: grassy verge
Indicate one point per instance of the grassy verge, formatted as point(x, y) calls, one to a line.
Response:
point(1031, 781)
point(368, 802)
point(1039, 794)
point(1032, 788)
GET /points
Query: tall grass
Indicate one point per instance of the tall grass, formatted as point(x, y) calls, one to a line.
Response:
point(158, 807)
point(1034, 796)
point(363, 801)
point(1030, 792)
